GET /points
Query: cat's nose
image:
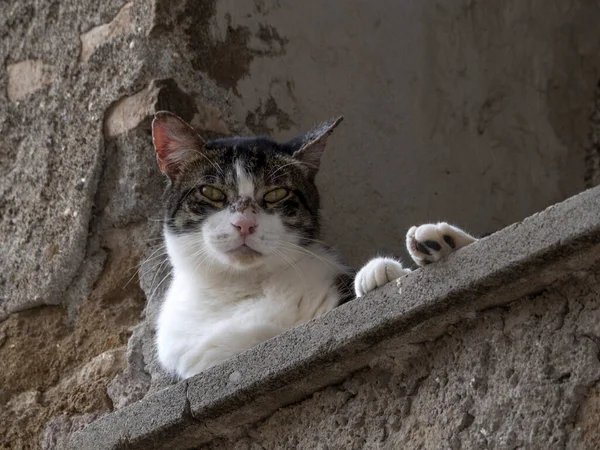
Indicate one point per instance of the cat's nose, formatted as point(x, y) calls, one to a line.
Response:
point(245, 225)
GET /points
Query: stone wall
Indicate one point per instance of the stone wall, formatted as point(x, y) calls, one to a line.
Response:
point(476, 112)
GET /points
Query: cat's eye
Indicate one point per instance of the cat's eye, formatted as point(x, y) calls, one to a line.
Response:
point(212, 193)
point(276, 195)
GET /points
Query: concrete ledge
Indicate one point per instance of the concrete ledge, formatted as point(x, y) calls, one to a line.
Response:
point(519, 260)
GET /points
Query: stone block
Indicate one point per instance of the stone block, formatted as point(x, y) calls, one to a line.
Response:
point(122, 24)
point(27, 77)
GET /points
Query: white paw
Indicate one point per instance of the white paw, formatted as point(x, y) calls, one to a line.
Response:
point(430, 242)
point(376, 273)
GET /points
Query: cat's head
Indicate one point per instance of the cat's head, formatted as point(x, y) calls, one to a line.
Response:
point(241, 202)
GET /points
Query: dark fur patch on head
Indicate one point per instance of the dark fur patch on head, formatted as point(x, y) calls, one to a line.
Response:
point(270, 164)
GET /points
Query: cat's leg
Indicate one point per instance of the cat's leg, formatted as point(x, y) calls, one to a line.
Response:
point(431, 242)
point(376, 273)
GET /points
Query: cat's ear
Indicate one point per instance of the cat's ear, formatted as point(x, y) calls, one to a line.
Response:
point(312, 144)
point(175, 142)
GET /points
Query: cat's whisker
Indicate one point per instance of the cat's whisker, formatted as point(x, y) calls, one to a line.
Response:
point(201, 253)
point(138, 267)
point(157, 266)
point(291, 263)
point(304, 250)
point(158, 271)
point(136, 272)
point(274, 171)
point(147, 260)
point(310, 253)
point(215, 165)
point(298, 237)
point(158, 249)
point(206, 259)
point(163, 251)
point(159, 238)
point(130, 279)
point(158, 286)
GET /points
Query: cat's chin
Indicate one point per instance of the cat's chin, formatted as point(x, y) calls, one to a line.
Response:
point(244, 257)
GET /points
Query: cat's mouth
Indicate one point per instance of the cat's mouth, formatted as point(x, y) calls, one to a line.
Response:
point(244, 253)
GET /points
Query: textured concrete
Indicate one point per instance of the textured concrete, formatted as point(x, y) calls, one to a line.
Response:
point(160, 416)
point(524, 375)
point(446, 318)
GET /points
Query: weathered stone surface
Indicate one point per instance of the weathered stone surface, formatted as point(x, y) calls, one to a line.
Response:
point(138, 109)
point(98, 371)
point(164, 412)
point(133, 383)
point(58, 431)
point(122, 24)
point(480, 349)
point(210, 118)
point(26, 77)
point(54, 150)
point(523, 375)
point(68, 368)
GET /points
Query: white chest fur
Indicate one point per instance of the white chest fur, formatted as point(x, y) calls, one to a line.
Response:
point(210, 315)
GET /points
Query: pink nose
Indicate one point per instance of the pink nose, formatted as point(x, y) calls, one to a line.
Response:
point(245, 225)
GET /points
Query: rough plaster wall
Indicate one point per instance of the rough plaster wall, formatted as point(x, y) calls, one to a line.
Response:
point(523, 376)
point(477, 112)
point(439, 98)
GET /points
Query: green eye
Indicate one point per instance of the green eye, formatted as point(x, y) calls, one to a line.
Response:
point(212, 193)
point(276, 195)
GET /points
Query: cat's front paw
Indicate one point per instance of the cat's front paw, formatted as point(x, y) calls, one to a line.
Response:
point(376, 273)
point(431, 242)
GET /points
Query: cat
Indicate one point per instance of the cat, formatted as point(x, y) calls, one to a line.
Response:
point(242, 235)
point(426, 244)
